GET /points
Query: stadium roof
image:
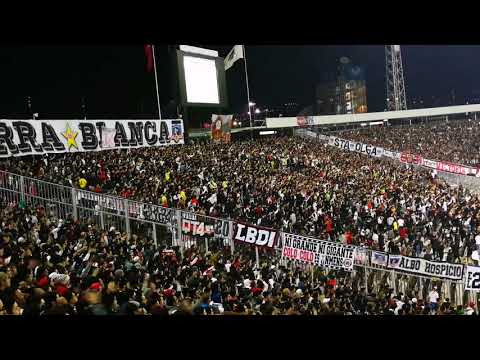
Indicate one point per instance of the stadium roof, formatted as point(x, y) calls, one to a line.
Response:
point(376, 116)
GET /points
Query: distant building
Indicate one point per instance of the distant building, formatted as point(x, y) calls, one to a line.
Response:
point(288, 109)
point(325, 98)
point(344, 92)
point(351, 90)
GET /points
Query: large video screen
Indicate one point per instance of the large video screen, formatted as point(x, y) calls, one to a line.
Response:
point(201, 80)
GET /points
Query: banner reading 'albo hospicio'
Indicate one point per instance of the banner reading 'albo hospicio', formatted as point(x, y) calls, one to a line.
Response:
point(30, 137)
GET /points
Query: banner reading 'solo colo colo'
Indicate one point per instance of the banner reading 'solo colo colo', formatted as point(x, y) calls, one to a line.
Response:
point(37, 137)
point(318, 252)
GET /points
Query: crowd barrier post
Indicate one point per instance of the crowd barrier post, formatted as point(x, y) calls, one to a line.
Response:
point(366, 279)
point(74, 204)
point(179, 241)
point(458, 294)
point(127, 220)
point(401, 283)
point(446, 286)
point(472, 297)
point(394, 285)
point(102, 220)
point(232, 246)
point(206, 245)
point(449, 289)
point(257, 257)
point(22, 188)
point(154, 235)
point(420, 295)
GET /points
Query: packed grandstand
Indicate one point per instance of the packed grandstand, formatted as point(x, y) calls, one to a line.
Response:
point(272, 226)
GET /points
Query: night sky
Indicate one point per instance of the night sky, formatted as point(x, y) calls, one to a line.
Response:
point(115, 84)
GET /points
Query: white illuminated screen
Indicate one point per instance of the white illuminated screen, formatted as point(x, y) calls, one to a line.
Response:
point(201, 80)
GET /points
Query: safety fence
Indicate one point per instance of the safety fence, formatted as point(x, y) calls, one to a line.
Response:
point(169, 227)
point(471, 183)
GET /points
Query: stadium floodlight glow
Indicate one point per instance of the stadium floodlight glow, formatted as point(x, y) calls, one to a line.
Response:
point(257, 111)
point(251, 103)
point(235, 123)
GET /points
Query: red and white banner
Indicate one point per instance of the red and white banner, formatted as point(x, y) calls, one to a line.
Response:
point(318, 252)
point(454, 168)
point(221, 128)
point(430, 163)
point(413, 159)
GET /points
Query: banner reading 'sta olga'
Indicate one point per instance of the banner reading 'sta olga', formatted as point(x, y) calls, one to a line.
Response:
point(30, 137)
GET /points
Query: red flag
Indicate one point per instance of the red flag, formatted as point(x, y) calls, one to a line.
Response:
point(149, 56)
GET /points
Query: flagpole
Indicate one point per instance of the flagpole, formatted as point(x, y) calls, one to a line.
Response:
point(248, 89)
point(156, 82)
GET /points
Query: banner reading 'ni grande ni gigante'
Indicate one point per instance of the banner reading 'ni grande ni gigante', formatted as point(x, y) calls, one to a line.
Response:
point(317, 252)
point(37, 137)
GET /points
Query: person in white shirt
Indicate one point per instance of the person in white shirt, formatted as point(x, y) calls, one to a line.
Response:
point(380, 220)
point(390, 220)
point(433, 298)
point(399, 304)
point(475, 256)
point(227, 266)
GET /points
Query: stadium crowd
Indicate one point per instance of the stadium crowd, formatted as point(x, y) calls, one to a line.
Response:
point(52, 266)
point(449, 141)
point(292, 185)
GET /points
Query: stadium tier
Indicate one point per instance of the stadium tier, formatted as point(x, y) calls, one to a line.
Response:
point(269, 226)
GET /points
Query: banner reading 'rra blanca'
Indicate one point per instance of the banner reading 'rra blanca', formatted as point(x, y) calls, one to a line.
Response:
point(27, 137)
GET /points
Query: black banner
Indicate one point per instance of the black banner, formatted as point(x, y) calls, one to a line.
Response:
point(255, 235)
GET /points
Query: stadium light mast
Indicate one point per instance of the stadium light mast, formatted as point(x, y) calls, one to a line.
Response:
point(396, 98)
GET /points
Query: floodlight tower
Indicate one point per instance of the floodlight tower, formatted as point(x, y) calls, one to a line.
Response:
point(396, 98)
